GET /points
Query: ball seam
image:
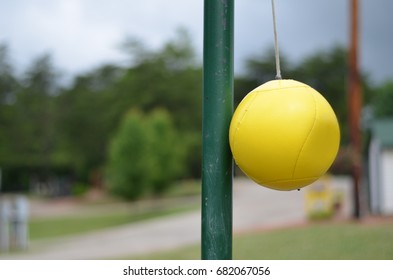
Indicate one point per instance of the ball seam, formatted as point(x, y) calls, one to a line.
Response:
point(240, 121)
point(287, 180)
point(308, 136)
point(274, 89)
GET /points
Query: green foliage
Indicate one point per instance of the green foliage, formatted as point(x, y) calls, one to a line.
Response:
point(95, 103)
point(383, 101)
point(27, 121)
point(325, 70)
point(46, 129)
point(145, 155)
point(129, 158)
point(79, 189)
point(87, 117)
point(8, 86)
point(167, 150)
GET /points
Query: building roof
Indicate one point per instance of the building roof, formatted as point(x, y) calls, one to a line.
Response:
point(382, 130)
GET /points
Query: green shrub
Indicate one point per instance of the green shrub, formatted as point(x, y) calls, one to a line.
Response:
point(167, 151)
point(79, 189)
point(145, 155)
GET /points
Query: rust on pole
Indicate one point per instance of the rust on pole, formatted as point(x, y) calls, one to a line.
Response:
point(355, 106)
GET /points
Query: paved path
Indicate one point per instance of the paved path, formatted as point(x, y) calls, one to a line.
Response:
point(254, 208)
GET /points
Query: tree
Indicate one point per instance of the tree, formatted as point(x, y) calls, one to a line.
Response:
point(8, 88)
point(91, 108)
point(168, 150)
point(167, 78)
point(87, 117)
point(129, 159)
point(383, 100)
point(34, 139)
point(27, 121)
point(145, 155)
point(32, 127)
point(8, 81)
point(325, 71)
point(258, 71)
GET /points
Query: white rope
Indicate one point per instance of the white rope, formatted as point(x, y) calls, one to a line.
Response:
point(277, 53)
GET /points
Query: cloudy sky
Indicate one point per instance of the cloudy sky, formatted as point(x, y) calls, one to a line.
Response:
point(82, 34)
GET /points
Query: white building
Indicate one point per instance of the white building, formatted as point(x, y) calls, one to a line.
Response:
point(381, 167)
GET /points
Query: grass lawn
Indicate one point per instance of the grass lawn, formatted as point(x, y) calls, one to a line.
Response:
point(61, 226)
point(69, 225)
point(313, 242)
point(175, 201)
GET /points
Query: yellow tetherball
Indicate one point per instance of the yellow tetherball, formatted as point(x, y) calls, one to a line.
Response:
point(284, 135)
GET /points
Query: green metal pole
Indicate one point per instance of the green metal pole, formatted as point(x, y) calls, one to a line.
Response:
point(217, 163)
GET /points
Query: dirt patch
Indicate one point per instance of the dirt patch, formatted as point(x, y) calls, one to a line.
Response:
point(376, 220)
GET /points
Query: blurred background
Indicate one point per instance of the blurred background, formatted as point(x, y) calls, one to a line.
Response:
point(101, 112)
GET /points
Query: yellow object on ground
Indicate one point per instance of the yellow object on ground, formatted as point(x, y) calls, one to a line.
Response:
point(320, 200)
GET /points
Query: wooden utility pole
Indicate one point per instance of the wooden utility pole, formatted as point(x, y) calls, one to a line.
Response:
point(355, 106)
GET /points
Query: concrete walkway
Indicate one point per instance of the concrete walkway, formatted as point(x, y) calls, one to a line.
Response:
point(254, 208)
